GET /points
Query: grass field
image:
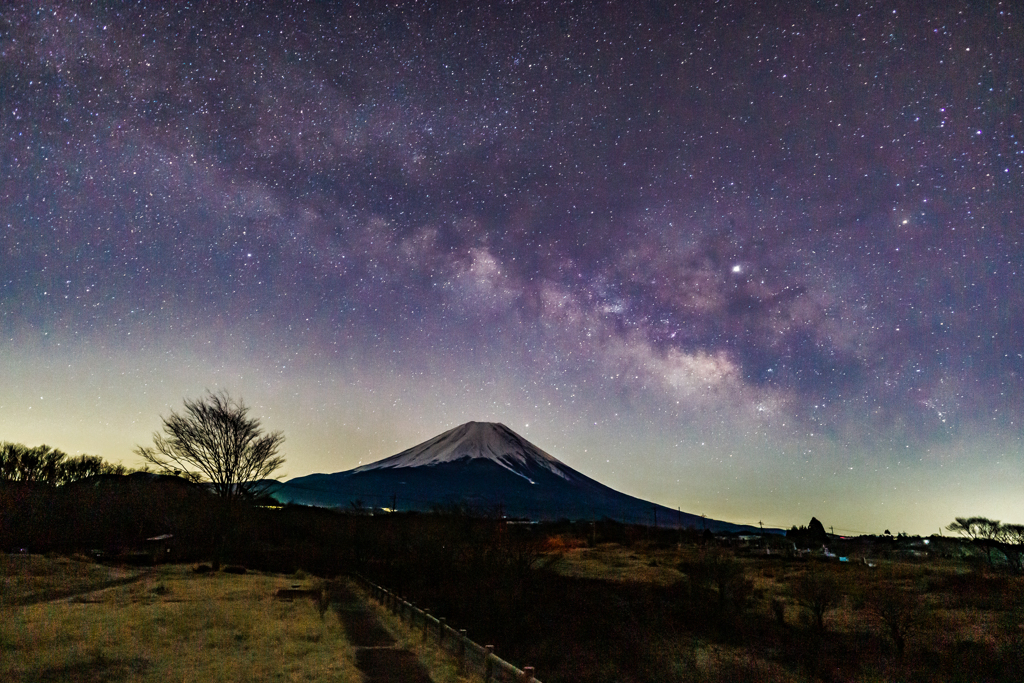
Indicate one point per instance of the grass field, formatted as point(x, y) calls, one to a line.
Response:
point(26, 578)
point(642, 612)
point(939, 619)
point(170, 625)
point(612, 562)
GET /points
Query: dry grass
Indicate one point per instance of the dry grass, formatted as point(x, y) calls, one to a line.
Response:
point(28, 578)
point(957, 608)
point(612, 562)
point(176, 625)
point(717, 663)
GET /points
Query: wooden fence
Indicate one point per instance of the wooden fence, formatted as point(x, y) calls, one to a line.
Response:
point(471, 656)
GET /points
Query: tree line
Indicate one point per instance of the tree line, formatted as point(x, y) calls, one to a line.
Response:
point(50, 466)
point(210, 462)
point(214, 441)
point(991, 534)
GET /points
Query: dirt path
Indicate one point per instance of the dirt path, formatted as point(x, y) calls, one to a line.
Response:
point(377, 655)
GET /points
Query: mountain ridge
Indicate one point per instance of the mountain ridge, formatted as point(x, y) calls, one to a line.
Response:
point(490, 468)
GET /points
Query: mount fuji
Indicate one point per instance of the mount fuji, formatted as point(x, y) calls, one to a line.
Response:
point(491, 469)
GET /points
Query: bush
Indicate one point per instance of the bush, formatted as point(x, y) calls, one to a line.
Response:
point(719, 573)
point(819, 592)
point(899, 612)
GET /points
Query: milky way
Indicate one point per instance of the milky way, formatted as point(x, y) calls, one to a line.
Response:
point(759, 261)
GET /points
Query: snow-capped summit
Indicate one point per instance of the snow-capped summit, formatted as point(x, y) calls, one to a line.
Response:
point(478, 440)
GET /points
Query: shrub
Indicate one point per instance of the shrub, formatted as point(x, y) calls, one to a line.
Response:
point(819, 592)
point(899, 612)
point(720, 573)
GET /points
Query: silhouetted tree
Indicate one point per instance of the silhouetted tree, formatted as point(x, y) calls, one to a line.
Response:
point(982, 531)
point(816, 531)
point(215, 440)
point(812, 534)
point(37, 465)
point(85, 466)
point(1012, 538)
point(50, 466)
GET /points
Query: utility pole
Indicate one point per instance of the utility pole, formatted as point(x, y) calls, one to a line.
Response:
point(394, 502)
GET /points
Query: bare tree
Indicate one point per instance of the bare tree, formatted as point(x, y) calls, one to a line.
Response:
point(1012, 538)
point(982, 531)
point(50, 466)
point(79, 467)
point(215, 440)
point(39, 464)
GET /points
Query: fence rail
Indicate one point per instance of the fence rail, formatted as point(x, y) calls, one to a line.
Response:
point(471, 656)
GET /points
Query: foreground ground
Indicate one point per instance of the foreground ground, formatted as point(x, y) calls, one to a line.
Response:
point(711, 610)
point(169, 624)
point(922, 619)
point(577, 609)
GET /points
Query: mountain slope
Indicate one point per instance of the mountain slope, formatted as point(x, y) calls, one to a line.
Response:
point(491, 469)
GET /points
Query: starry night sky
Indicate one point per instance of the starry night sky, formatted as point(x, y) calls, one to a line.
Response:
point(760, 261)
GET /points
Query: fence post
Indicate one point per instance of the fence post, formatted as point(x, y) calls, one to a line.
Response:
point(527, 674)
point(462, 650)
point(488, 663)
point(426, 624)
point(440, 632)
